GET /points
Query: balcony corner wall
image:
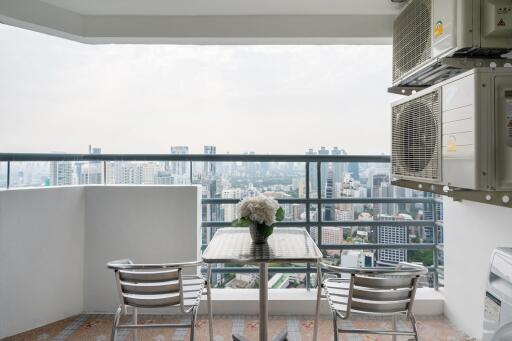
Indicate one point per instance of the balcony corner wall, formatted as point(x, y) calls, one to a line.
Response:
point(472, 231)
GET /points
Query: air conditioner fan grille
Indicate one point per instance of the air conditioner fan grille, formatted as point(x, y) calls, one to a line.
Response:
point(412, 36)
point(416, 147)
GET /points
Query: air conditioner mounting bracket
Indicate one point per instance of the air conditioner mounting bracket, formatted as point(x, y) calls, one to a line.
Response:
point(496, 198)
point(443, 69)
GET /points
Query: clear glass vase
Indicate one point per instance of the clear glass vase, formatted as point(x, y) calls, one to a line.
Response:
point(260, 232)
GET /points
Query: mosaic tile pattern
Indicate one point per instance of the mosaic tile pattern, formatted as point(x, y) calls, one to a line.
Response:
point(70, 329)
point(300, 328)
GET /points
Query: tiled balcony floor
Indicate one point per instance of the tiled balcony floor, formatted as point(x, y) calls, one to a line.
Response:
point(97, 328)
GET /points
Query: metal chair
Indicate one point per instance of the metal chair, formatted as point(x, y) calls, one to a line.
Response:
point(384, 291)
point(157, 286)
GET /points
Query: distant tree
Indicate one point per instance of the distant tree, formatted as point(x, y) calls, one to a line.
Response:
point(421, 256)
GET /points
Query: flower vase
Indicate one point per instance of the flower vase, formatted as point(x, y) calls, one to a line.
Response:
point(260, 232)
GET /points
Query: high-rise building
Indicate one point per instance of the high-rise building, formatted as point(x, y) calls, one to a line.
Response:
point(181, 150)
point(94, 150)
point(61, 173)
point(179, 169)
point(164, 178)
point(90, 173)
point(339, 168)
point(376, 181)
point(329, 213)
point(345, 215)
point(323, 151)
point(332, 235)
point(209, 167)
point(297, 210)
point(386, 191)
point(312, 174)
point(230, 209)
point(397, 234)
point(353, 168)
point(356, 259)
point(133, 173)
point(324, 166)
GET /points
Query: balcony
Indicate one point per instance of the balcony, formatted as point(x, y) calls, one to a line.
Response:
point(62, 216)
point(84, 210)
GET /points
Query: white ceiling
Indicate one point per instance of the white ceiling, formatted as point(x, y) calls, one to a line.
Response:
point(207, 21)
point(225, 7)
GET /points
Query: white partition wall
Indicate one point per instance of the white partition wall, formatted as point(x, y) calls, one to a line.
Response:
point(41, 257)
point(472, 231)
point(144, 223)
point(55, 242)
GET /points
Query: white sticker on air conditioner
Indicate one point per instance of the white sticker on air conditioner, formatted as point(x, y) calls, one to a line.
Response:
point(508, 116)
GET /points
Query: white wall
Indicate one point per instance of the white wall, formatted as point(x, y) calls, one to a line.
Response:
point(472, 231)
point(147, 224)
point(41, 257)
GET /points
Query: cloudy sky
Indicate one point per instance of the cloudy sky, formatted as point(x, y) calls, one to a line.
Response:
point(59, 95)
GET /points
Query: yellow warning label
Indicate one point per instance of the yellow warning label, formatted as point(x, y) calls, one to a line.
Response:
point(438, 29)
point(502, 23)
point(452, 144)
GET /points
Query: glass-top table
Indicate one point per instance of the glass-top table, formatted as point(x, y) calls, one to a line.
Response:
point(234, 245)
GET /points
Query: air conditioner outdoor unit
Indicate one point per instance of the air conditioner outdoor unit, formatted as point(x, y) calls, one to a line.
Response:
point(426, 31)
point(456, 133)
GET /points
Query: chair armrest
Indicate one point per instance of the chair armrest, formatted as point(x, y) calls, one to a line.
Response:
point(402, 268)
point(123, 265)
point(119, 263)
point(414, 267)
point(341, 269)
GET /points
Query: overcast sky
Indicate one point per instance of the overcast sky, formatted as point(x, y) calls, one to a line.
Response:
point(59, 95)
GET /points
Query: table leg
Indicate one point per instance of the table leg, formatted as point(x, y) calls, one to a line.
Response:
point(209, 300)
point(263, 301)
point(282, 336)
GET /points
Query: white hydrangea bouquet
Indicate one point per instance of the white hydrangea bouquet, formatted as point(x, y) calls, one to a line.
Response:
point(259, 214)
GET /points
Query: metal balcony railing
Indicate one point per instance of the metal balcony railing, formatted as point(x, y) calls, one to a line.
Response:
point(312, 165)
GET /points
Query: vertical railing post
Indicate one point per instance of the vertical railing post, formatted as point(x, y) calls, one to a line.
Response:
point(319, 207)
point(308, 221)
point(190, 173)
point(319, 197)
point(8, 183)
point(104, 172)
point(435, 254)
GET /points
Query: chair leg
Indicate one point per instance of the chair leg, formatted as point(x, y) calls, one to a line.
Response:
point(135, 321)
point(335, 325)
point(117, 316)
point(394, 326)
point(209, 300)
point(318, 300)
point(193, 324)
point(415, 330)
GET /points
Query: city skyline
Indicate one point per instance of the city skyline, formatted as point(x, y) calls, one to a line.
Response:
point(144, 98)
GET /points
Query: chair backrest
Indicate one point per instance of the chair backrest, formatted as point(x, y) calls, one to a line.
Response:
point(148, 286)
point(384, 290)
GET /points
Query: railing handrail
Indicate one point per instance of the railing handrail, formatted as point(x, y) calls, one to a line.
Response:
point(47, 157)
point(342, 200)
